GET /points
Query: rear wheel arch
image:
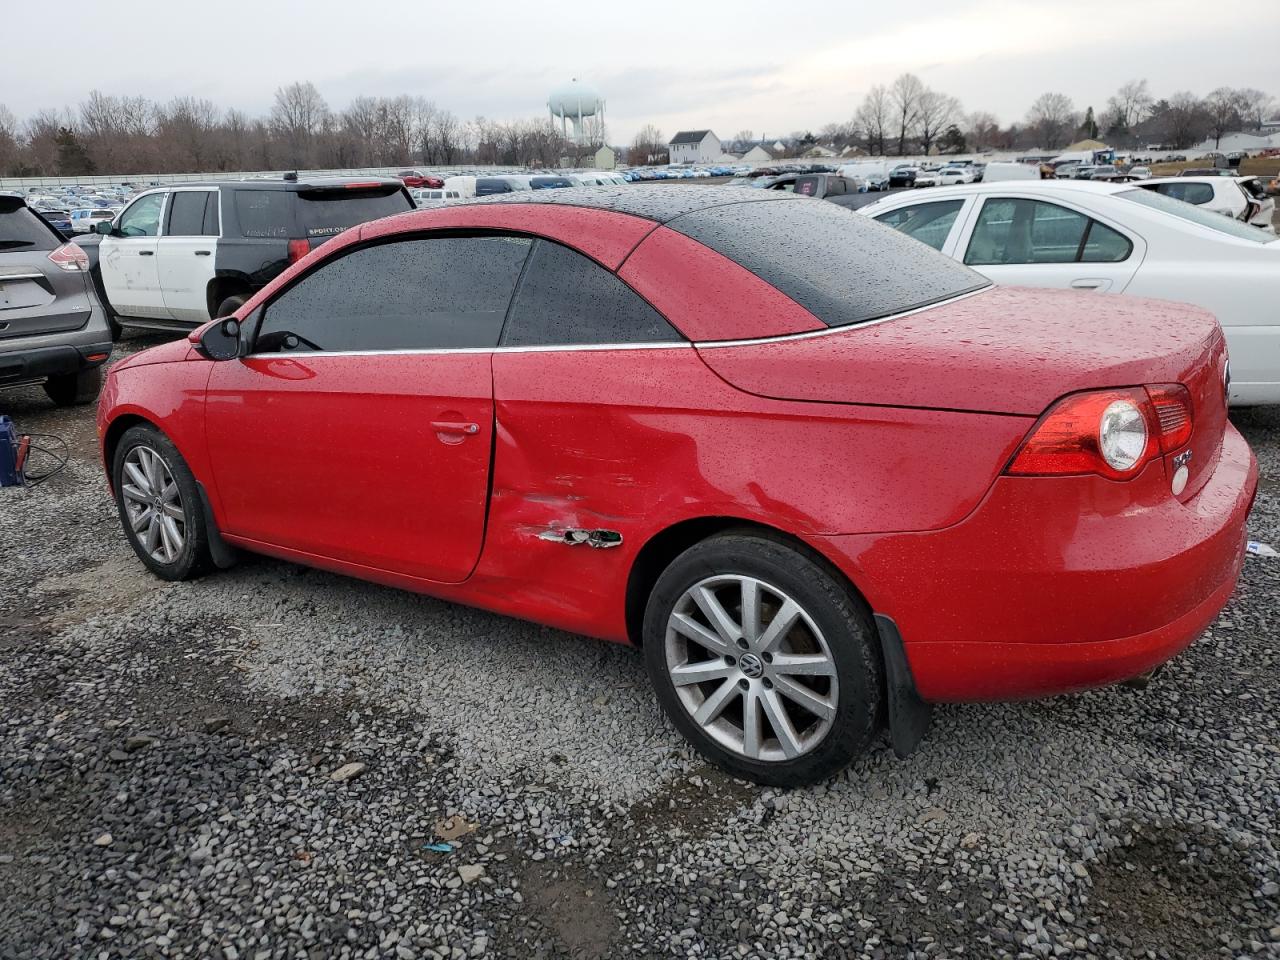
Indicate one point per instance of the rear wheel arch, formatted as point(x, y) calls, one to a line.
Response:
point(664, 546)
point(223, 286)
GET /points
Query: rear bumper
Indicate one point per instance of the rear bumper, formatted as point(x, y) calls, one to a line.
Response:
point(1059, 584)
point(22, 366)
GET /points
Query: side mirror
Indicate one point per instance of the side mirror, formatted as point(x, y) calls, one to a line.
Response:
point(103, 227)
point(221, 339)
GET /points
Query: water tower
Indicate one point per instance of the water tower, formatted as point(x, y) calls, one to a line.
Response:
point(573, 103)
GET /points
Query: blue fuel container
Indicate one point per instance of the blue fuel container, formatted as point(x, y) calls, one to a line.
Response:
point(10, 475)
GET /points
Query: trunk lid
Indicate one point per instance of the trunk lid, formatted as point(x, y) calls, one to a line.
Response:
point(36, 296)
point(1000, 350)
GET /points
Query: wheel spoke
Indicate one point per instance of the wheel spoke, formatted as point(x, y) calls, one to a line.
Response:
point(804, 664)
point(152, 539)
point(142, 518)
point(779, 626)
point(688, 673)
point(716, 614)
point(788, 739)
point(816, 704)
point(174, 510)
point(171, 530)
point(714, 705)
point(134, 492)
point(751, 724)
point(152, 468)
point(687, 627)
point(138, 476)
point(750, 609)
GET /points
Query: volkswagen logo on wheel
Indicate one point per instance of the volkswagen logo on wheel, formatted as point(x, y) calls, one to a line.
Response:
point(751, 666)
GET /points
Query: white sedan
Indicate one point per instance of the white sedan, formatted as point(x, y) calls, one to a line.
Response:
point(1115, 238)
point(1225, 195)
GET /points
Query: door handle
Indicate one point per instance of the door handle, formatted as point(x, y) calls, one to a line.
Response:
point(450, 426)
point(146, 253)
point(203, 253)
point(1087, 284)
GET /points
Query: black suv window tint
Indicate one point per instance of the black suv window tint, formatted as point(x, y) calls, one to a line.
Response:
point(212, 216)
point(264, 213)
point(567, 298)
point(326, 213)
point(21, 229)
point(839, 265)
point(186, 213)
point(419, 294)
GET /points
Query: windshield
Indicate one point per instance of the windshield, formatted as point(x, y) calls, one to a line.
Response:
point(1205, 218)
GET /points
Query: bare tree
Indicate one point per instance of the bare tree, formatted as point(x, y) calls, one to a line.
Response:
point(936, 112)
point(446, 138)
point(1182, 119)
point(297, 115)
point(1127, 108)
point(743, 140)
point(1052, 118)
point(1255, 107)
point(905, 96)
point(1225, 108)
point(873, 118)
point(9, 148)
point(648, 146)
point(42, 141)
point(186, 127)
point(982, 130)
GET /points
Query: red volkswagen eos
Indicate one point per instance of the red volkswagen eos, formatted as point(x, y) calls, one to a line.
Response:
point(822, 475)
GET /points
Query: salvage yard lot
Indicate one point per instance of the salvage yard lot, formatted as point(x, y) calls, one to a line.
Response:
point(166, 781)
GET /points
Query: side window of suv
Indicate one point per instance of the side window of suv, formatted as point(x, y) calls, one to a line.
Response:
point(416, 294)
point(142, 219)
point(189, 214)
point(566, 298)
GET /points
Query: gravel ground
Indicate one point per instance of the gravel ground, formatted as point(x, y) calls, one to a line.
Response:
point(170, 785)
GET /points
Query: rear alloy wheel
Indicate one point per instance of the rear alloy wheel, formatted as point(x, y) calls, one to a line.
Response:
point(763, 659)
point(159, 505)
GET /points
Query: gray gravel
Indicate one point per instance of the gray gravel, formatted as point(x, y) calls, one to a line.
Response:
point(251, 766)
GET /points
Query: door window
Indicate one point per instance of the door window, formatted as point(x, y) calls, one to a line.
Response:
point(567, 298)
point(928, 222)
point(1012, 231)
point(142, 219)
point(188, 214)
point(264, 213)
point(418, 294)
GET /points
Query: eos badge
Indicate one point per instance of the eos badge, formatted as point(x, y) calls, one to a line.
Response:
point(1180, 471)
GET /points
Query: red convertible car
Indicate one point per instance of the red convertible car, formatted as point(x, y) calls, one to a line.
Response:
point(822, 475)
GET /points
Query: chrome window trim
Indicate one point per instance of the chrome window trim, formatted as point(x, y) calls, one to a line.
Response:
point(448, 350)
point(827, 331)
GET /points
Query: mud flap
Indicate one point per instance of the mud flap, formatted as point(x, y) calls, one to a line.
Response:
point(224, 555)
point(909, 716)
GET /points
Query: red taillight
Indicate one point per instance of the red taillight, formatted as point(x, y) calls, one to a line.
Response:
point(1111, 433)
point(71, 257)
point(1172, 403)
point(298, 249)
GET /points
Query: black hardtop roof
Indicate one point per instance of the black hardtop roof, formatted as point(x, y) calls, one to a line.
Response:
point(658, 202)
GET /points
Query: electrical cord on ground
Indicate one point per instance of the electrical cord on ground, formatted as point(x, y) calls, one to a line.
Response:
point(60, 459)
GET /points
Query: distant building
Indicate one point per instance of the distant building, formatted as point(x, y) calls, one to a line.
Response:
point(819, 151)
point(758, 154)
point(694, 146)
point(1237, 143)
point(606, 159)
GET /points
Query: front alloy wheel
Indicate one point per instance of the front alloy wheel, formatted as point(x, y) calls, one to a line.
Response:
point(153, 504)
point(751, 667)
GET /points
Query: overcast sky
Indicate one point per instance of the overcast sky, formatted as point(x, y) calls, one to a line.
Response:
point(765, 66)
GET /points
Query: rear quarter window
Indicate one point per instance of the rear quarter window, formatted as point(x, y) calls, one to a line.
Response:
point(21, 229)
point(842, 267)
point(265, 214)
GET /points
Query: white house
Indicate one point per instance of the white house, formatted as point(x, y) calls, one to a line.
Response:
point(694, 146)
point(757, 154)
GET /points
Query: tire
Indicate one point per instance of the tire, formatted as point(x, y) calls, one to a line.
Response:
point(230, 305)
point(140, 448)
point(75, 389)
point(845, 689)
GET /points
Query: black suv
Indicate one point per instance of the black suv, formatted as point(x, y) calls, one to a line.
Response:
point(52, 327)
point(181, 254)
